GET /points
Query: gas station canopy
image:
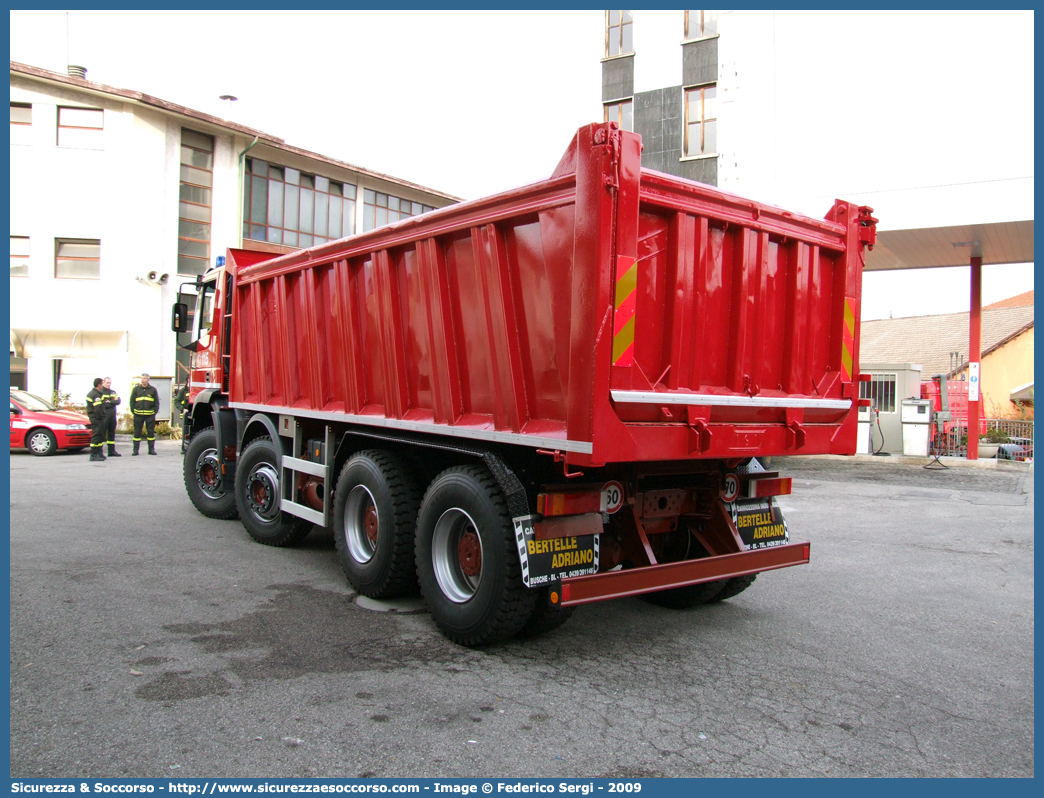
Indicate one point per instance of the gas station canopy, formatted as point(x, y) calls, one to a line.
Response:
point(932, 247)
point(973, 245)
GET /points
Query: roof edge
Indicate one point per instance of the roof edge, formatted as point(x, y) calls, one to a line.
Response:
point(943, 315)
point(163, 105)
point(1010, 338)
point(137, 96)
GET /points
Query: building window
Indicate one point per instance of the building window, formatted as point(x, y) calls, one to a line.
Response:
point(194, 203)
point(21, 114)
point(197, 181)
point(621, 114)
point(77, 259)
point(880, 391)
point(80, 127)
point(701, 124)
point(19, 256)
point(381, 209)
point(699, 24)
point(618, 33)
point(286, 206)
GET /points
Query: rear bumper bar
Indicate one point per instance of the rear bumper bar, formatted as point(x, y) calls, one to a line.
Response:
point(631, 582)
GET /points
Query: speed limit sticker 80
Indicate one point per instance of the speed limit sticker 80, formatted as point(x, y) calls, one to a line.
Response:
point(612, 497)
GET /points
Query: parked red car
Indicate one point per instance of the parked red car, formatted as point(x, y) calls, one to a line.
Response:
point(43, 429)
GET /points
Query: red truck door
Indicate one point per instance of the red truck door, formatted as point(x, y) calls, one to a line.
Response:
point(207, 335)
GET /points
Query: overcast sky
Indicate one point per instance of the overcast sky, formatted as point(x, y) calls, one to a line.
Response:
point(926, 116)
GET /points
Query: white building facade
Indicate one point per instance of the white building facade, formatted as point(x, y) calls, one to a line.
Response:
point(119, 198)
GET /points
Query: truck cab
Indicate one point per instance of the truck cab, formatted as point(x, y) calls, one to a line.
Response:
point(208, 340)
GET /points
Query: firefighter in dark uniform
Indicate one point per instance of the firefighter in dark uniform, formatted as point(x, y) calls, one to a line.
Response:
point(144, 402)
point(96, 413)
point(182, 404)
point(110, 401)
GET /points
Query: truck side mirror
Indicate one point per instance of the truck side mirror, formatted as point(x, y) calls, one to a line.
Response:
point(179, 322)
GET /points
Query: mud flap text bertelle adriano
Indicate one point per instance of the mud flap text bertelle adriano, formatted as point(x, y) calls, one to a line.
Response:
point(549, 561)
point(760, 523)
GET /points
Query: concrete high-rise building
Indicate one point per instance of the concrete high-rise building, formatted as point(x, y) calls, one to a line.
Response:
point(699, 87)
point(661, 77)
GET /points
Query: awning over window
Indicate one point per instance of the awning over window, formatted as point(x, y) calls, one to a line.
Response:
point(1024, 393)
point(68, 343)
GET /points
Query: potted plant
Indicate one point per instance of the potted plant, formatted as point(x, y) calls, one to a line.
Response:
point(990, 443)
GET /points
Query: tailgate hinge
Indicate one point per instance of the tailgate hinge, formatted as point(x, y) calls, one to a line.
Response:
point(699, 429)
point(867, 227)
point(795, 429)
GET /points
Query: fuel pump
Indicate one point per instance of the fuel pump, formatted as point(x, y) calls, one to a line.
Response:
point(875, 419)
point(864, 433)
point(938, 426)
point(942, 415)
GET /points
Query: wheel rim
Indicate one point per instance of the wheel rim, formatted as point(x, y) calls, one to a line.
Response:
point(40, 443)
point(361, 524)
point(262, 490)
point(456, 554)
point(207, 474)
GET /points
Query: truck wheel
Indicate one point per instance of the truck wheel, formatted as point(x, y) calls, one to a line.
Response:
point(201, 471)
point(546, 616)
point(681, 598)
point(375, 512)
point(735, 586)
point(467, 559)
point(257, 496)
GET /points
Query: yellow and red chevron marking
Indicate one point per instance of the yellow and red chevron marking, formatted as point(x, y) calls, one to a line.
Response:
point(848, 340)
point(623, 317)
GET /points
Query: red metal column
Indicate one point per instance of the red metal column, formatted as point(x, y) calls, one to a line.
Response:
point(974, 354)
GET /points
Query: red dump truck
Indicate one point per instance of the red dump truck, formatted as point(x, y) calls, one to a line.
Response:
point(556, 395)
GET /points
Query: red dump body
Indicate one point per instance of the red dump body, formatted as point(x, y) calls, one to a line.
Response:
point(609, 312)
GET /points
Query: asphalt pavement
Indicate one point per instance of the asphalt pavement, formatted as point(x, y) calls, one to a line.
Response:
point(149, 641)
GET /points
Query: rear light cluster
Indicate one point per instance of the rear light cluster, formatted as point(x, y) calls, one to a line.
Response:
point(552, 504)
point(762, 488)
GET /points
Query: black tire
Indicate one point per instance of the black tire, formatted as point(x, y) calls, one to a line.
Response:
point(41, 442)
point(546, 616)
point(467, 559)
point(200, 471)
point(681, 598)
point(257, 497)
point(374, 515)
point(735, 586)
